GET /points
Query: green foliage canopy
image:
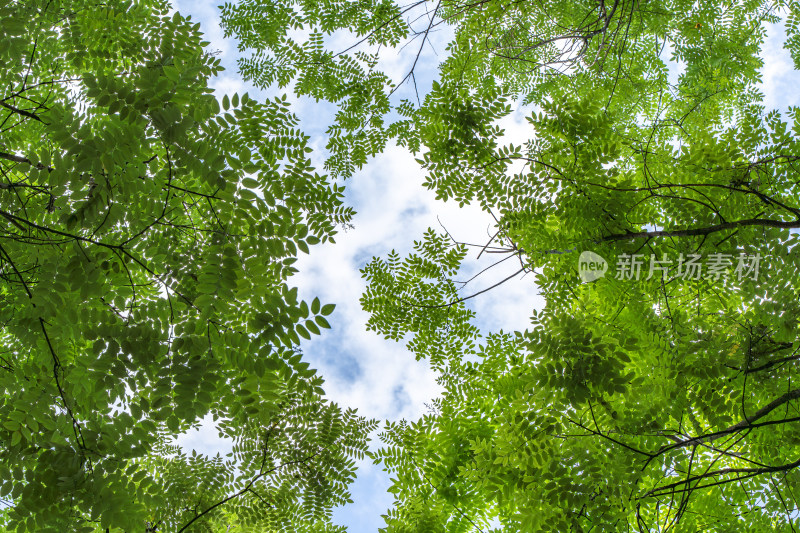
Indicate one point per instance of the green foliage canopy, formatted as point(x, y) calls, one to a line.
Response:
point(268, 30)
point(651, 404)
point(147, 236)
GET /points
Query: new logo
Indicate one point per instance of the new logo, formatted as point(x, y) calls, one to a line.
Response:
point(591, 266)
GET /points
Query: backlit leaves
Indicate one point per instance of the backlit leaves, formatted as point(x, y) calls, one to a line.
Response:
point(148, 236)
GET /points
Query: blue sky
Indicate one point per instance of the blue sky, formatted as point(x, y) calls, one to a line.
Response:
point(380, 378)
point(362, 370)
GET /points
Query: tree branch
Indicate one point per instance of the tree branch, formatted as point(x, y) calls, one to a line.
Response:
point(748, 422)
point(21, 112)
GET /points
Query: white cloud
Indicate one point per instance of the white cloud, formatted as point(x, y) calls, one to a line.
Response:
point(380, 377)
point(227, 84)
point(205, 439)
point(780, 79)
point(362, 369)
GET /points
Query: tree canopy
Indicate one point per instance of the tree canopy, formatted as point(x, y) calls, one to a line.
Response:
point(149, 231)
point(148, 237)
point(662, 397)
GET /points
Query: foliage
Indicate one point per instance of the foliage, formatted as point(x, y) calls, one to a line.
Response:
point(667, 402)
point(147, 235)
point(269, 29)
